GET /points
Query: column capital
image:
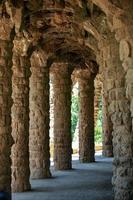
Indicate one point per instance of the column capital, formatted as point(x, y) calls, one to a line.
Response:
point(61, 68)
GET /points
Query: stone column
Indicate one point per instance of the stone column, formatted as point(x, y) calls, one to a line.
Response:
point(86, 117)
point(20, 116)
point(123, 163)
point(120, 113)
point(39, 117)
point(61, 79)
point(107, 128)
point(6, 44)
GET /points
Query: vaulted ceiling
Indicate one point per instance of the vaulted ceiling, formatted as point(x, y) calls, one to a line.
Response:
point(68, 29)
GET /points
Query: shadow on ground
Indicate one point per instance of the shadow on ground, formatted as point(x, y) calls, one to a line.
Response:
point(85, 182)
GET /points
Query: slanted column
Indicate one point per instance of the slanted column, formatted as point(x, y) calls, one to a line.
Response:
point(39, 117)
point(123, 117)
point(61, 80)
point(86, 117)
point(107, 128)
point(20, 116)
point(120, 95)
point(6, 141)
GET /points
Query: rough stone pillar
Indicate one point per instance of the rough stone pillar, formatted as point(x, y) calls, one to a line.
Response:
point(61, 79)
point(107, 128)
point(123, 105)
point(20, 116)
point(123, 163)
point(86, 117)
point(39, 117)
point(6, 37)
point(120, 113)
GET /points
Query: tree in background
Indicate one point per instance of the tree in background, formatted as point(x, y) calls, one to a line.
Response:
point(98, 128)
point(74, 114)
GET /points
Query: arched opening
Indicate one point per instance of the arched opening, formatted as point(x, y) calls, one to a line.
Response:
point(75, 120)
point(98, 115)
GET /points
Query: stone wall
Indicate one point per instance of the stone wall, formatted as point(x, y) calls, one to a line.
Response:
point(119, 111)
point(124, 161)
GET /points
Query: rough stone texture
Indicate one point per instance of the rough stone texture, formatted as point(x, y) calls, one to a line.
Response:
point(123, 162)
point(75, 32)
point(119, 110)
point(61, 80)
point(20, 116)
point(6, 37)
point(107, 128)
point(86, 116)
point(39, 117)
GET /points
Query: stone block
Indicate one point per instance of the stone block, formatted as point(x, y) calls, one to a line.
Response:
point(112, 94)
point(131, 108)
point(113, 107)
point(110, 83)
point(129, 90)
point(120, 93)
point(129, 76)
point(124, 50)
point(128, 64)
point(123, 105)
point(116, 118)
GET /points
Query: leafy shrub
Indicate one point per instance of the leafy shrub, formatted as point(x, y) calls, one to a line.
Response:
point(98, 128)
point(74, 114)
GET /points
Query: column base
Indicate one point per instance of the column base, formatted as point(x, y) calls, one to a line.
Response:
point(122, 180)
point(107, 151)
point(123, 195)
point(40, 174)
point(87, 160)
point(21, 187)
point(63, 167)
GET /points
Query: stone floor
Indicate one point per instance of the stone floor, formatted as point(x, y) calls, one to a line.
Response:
point(84, 182)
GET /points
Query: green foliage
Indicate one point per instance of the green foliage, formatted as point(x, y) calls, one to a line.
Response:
point(98, 135)
point(74, 113)
point(98, 128)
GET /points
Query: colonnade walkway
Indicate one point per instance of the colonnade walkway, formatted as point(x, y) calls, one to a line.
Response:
point(85, 182)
